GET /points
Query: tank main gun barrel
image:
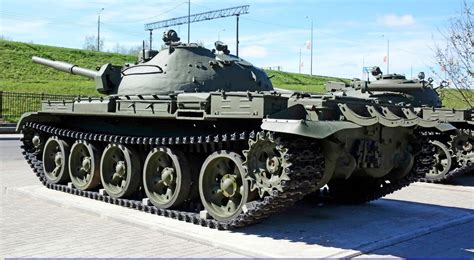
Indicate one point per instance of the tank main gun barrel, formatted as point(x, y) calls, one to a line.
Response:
point(66, 67)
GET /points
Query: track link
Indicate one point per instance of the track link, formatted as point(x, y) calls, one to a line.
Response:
point(456, 171)
point(304, 172)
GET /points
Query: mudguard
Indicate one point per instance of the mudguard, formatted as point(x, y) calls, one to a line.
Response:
point(313, 129)
point(444, 127)
point(23, 120)
point(35, 117)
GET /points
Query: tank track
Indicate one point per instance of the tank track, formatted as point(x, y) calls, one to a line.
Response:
point(452, 174)
point(458, 171)
point(345, 195)
point(304, 173)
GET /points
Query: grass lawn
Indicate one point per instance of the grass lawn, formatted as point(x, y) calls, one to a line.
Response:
point(20, 74)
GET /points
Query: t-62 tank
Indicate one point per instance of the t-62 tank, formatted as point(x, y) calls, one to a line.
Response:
point(201, 136)
point(454, 147)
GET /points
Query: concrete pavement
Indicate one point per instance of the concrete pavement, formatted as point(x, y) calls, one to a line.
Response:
point(31, 226)
point(422, 220)
point(36, 228)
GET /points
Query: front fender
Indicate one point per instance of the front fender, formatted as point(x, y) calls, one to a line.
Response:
point(444, 127)
point(24, 118)
point(36, 117)
point(313, 129)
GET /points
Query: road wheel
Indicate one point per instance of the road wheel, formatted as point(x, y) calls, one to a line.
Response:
point(84, 165)
point(222, 185)
point(119, 171)
point(55, 157)
point(166, 177)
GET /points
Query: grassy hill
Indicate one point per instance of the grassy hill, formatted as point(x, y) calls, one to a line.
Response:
point(19, 74)
point(300, 82)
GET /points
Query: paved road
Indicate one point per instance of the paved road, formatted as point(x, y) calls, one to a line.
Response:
point(423, 220)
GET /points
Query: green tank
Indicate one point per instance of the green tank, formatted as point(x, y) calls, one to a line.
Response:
point(454, 147)
point(201, 136)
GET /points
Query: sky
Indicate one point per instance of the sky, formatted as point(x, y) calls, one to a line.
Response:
point(347, 35)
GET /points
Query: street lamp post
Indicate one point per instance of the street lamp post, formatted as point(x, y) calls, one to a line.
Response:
point(311, 62)
point(299, 64)
point(98, 29)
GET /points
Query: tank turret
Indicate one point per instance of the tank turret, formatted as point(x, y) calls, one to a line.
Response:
point(178, 67)
point(392, 88)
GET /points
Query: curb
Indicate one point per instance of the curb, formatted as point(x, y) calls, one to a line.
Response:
point(7, 128)
point(10, 137)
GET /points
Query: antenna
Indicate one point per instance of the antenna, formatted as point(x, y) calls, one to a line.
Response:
point(232, 11)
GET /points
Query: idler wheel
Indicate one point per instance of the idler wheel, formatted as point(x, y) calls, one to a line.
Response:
point(443, 162)
point(119, 171)
point(84, 165)
point(222, 185)
point(166, 177)
point(55, 157)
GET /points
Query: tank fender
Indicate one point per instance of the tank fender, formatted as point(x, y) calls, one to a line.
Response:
point(313, 129)
point(444, 127)
point(23, 119)
point(36, 118)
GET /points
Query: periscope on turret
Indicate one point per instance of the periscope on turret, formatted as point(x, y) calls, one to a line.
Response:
point(201, 136)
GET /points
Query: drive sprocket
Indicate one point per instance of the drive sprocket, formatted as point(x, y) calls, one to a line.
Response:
point(267, 163)
point(462, 146)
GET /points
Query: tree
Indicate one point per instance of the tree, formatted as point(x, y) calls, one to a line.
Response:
point(120, 49)
point(135, 50)
point(456, 56)
point(5, 38)
point(90, 43)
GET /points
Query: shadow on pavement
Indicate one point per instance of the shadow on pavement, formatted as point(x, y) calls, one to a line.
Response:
point(464, 180)
point(358, 227)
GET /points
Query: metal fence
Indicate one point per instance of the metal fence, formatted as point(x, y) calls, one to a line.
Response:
point(13, 105)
